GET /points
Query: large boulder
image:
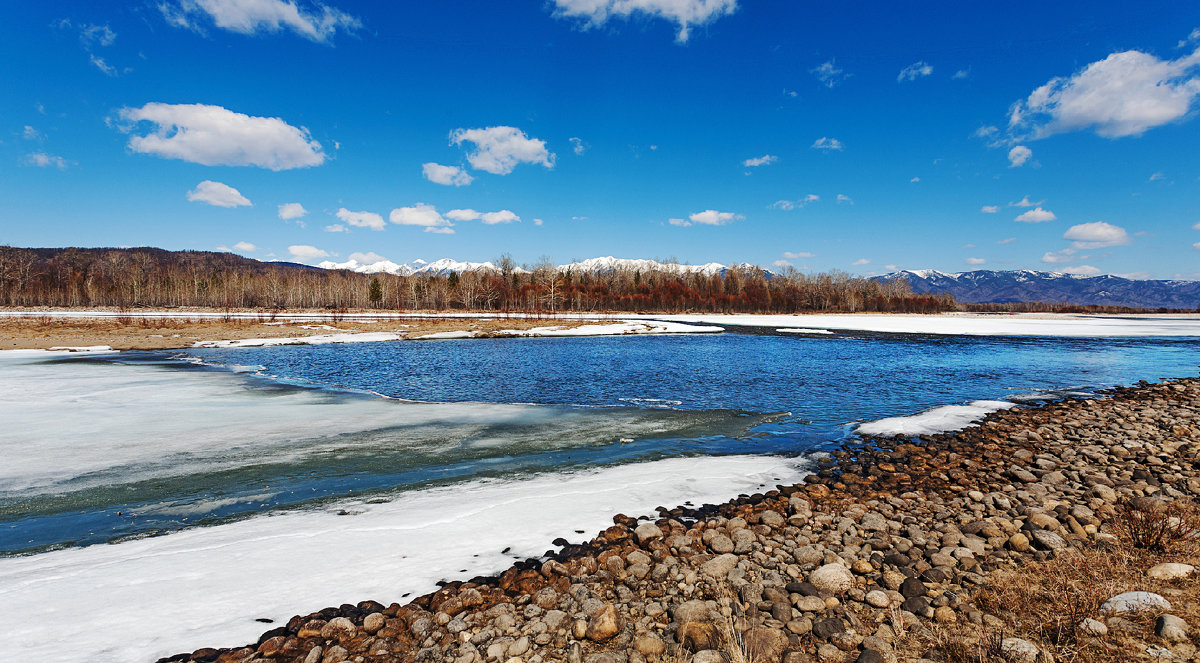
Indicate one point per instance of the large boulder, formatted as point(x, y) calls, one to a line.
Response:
point(833, 578)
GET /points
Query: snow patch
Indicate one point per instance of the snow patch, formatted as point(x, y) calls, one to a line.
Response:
point(937, 420)
point(801, 330)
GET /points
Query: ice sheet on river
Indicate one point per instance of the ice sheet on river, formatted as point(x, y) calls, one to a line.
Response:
point(936, 420)
point(143, 599)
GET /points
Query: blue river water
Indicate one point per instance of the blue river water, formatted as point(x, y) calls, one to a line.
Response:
point(255, 430)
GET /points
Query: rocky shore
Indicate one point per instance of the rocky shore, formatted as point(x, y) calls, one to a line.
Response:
point(1056, 532)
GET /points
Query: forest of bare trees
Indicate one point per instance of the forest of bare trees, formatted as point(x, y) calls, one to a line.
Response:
point(148, 277)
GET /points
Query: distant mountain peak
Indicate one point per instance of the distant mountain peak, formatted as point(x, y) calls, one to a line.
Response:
point(591, 265)
point(1027, 285)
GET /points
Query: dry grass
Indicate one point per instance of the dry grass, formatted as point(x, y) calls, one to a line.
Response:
point(1155, 525)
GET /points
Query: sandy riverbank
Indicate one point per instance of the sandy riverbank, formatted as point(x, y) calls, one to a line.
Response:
point(1004, 541)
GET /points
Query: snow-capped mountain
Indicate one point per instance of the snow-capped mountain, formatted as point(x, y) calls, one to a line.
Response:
point(1024, 285)
point(591, 265)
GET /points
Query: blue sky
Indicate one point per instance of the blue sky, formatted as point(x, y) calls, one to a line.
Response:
point(855, 136)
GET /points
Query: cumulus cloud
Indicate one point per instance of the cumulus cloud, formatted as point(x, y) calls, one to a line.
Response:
point(961, 74)
point(577, 145)
point(314, 21)
point(1196, 226)
point(1065, 255)
point(1006, 240)
point(489, 218)
point(709, 217)
point(782, 264)
point(217, 194)
point(44, 160)
point(102, 65)
point(1196, 246)
point(1096, 235)
point(796, 255)
point(305, 253)
point(1018, 155)
point(989, 209)
point(367, 258)
point(361, 219)
point(764, 160)
point(500, 149)
point(29, 133)
point(1081, 270)
point(245, 247)
point(914, 71)
point(448, 175)
point(914, 180)
point(788, 205)
point(1036, 215)
point(1124, 94)
point(1157, 177)
point(1025, 202)
point(843, 198)
point(827, 144)
point(684, 13)
point(424, 216)
point(861, 261)
point(829, 74)
point(336, 228)
point(975, 261)
point(216, 136)
point(289, 211)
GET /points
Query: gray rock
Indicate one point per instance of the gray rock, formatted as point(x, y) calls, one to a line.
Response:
point(1171, 628)
point(878, 599)
point(772, 518)
point(832, 578)
point(1093, 627)
point(647, 532)
point(1170, 571)
point(1016, 650)
point(708, 656)
point(721, 544)
point(1135, 602)
point(720, 566)
point(692, 611)
point(1048, 540)
point(810, 604)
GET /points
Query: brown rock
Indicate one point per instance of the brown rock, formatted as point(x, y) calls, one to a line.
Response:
point(604, 624)
point(697, 636)
point(649, 644)
point(311, 629)
point(765, 644)
point(272, 646)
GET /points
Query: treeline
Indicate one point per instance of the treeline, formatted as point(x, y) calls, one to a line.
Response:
point(1062, 307)
point(148, 277)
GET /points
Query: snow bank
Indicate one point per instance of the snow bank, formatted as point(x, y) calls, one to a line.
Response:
point(143, 599)
point(616, 329)
point(803, 331)
point(318, 339)
point(938, 420)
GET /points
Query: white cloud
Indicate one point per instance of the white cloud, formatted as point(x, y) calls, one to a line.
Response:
point(796, 255)
point(788, 205)
point(764, 160)
point(304, 252)
point(709, 217)
point(914, 71)
point(336, 228)
point(216, 136)
point(1196, 246)
point(843, 198)
point(1036, 215)
point(1006, 240)
point(968, 246)
point(489, 218)
point(289, 211)
point(1018, 155)
point(103, 66)
point(782, 264)
point(1196, 226)
point(860, 262)
point(914, 180)
point(317, 22)
point(423, 215)
point(361, 219)
point(368, 258)
point(245, 247)
point(828, 73)
point(975, 261)
point(1157, 176)
point(1124, 94)
point(989, 209)
point(986, 131)
point(961, 74)
point(577, 145)
point(1082, 270)
point(44, 160)
point(95, 35)
point(1096, 235)
point(217, 194)
point(499, 149)
point(1065, 255)
point(826, 144)
point(685, 13)
point(30, 133)
point(1025, 202)
point(448, 175)
point(538, 222)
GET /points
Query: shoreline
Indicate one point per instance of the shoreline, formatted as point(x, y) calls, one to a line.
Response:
point(888, 547)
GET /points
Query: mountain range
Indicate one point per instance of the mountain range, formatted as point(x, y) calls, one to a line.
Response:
point(991, 286)
point(591, 265)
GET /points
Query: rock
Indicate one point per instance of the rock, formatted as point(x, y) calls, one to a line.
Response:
point(765, 644)
point(697, 636)
point(1170, 571)
point(340, 629)
point(743, 541)
point(373, 622)
point(1092, 627)
point(1135, 602)
point(647, 532)
point(772, 518)
point(1019, 542)
point(1016, 650)
point(808, 555)
point(1171, 628)
point(1048, 540)
point(832, 578)
point(518, 647)
point(604, 624)
point(649, 644)
point(800, 626)
point(606, 657)
point(692, 611)
point(862, 567)
point(827, 628)
point(708, 656)
point(810, 604)
point(876, 598)
point(869, 656)
point(720, 566)
point(912, 587)
point(945, 615)
point(721, 544)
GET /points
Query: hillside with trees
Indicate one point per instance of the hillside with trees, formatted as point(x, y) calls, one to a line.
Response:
point(150, 277)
